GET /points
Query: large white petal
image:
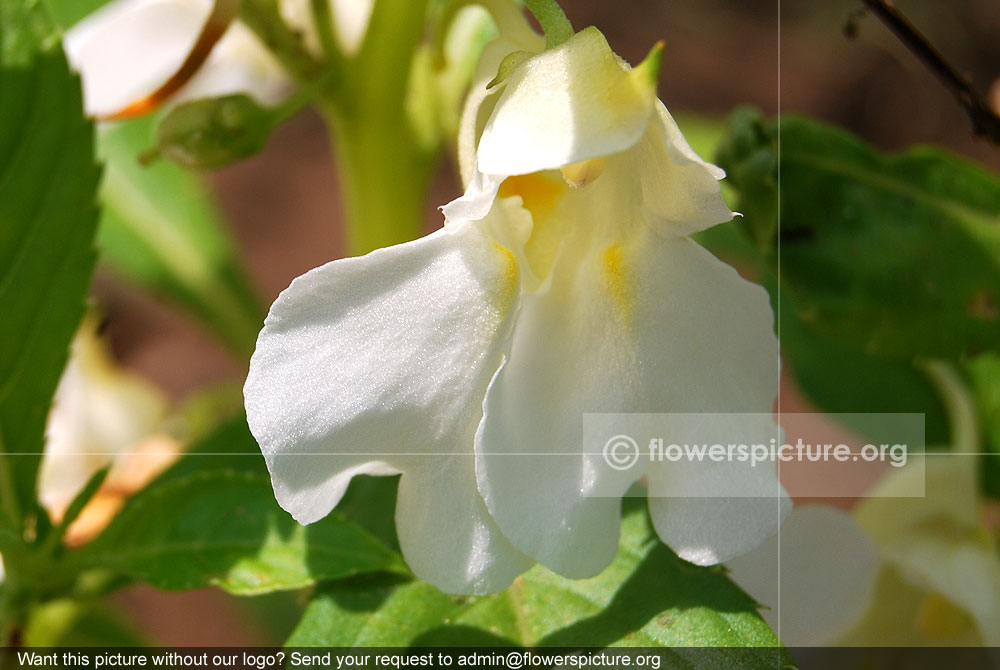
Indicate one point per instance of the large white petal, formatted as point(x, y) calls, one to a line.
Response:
point(438, 500)
point(815, 578)
point(379, 364)
point(657, 325)
point(711, 529)
point(565, 105)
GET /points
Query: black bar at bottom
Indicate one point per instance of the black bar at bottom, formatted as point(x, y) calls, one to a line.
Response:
point(642, 658)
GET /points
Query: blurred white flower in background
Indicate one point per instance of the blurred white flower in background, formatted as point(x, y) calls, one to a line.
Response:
point(939, 579)
point(349, 17)
point(101, 416)
point(900, 571)
point(563, 282)
point(815, 578)
point(127, 49)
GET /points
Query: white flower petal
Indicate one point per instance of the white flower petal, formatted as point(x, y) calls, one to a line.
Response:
point(655, 325)
point(950, 482)
point(481, 189)
point(128, 48)
point(468, 554)
point(824, 573)
point(351, 19)
point(957, 567)
point(565, 105)
point(680, 191)
point(710, 530)
point(239, 63)
point(99, 413)
point(379, 364)
point(515, 35)
point(350, 22)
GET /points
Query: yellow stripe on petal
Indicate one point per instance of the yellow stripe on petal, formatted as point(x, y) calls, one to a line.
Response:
point(508, 284)
point(510, 271)
point(616, 275)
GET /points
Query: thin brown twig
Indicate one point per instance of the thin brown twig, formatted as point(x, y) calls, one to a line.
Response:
point(985, 122)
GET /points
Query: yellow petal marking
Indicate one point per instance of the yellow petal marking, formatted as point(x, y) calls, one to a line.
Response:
point(509, 275)
point(540, 194)
point(616, 277)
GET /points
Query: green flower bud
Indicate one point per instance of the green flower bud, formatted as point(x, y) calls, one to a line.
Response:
point(214, 132)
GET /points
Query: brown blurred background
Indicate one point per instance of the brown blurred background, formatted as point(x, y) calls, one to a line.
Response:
point(284, 208)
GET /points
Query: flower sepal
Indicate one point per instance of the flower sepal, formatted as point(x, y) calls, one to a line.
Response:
point(211, 133)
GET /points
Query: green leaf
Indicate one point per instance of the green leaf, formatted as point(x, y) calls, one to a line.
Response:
point(647, 597)
point(48, 217)
point(897, 254)
point(230, 448)
point(984, 375)
point(25, 30)
point(69, 12)
point(370, 502)
point(840, 378)
point(70, 623)
point(225, 529)
point(162, 230)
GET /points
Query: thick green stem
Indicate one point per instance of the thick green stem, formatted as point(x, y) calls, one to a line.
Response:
point(384, 179)
point(553, 20)
point(384, 166)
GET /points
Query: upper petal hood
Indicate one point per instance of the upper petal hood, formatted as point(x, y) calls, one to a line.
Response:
point(549, 118)
point(565, 105)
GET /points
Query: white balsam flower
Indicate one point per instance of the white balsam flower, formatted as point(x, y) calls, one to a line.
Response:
point(901, 571)
point(100, 416)
point(815, 578)
point(129, 48)
point(563, 282)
